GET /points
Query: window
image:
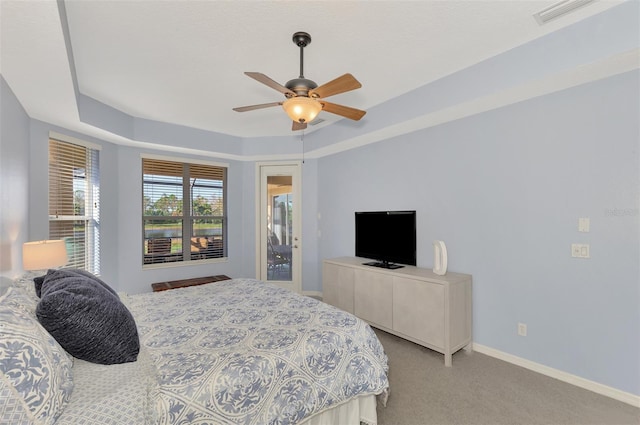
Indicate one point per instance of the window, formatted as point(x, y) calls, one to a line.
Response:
point(184, 211)
point(74, 202)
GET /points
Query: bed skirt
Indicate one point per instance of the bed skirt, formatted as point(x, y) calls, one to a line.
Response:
point(354, 412)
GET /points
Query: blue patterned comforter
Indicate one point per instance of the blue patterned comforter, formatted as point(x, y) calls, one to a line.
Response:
point(244, 351)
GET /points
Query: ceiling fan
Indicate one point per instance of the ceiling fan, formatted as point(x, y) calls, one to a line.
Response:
point(304, 98)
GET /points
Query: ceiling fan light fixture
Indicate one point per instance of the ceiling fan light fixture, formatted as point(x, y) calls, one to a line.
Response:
point(305, 99)
point(302, 109)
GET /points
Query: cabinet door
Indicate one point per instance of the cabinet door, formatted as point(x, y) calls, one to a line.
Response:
point(337, 286)
point(373, 298)
point(418, 310)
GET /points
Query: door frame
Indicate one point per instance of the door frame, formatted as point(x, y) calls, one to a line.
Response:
point(261, 233)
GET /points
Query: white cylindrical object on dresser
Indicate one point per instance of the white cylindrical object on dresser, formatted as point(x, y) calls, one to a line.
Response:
point(439, 258)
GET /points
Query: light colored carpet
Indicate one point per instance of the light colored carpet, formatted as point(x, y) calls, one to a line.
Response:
point(479, 389)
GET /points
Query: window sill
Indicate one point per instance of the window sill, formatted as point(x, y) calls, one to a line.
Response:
point(191, 263)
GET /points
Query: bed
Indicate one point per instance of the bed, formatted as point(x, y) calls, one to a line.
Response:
point(241, 351)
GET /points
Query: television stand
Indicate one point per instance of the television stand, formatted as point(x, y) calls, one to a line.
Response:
point(413, 303)
point(383, 265)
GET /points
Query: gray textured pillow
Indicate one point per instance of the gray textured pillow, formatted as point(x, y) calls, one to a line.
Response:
point(39, 281)
point(87, 319)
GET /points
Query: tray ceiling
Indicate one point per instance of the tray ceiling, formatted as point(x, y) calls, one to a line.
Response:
point(182, 62)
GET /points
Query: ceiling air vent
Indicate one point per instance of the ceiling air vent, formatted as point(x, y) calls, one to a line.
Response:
point(559, 9)
point(316, 121)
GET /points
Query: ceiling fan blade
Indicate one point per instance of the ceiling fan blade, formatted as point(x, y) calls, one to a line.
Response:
point(252, 107)
point(269, 82)
point(342, 84)
point(298, 126)
point(345, 111)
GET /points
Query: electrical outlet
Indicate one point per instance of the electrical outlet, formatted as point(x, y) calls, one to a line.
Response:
point(522, 329)
point(580, 250)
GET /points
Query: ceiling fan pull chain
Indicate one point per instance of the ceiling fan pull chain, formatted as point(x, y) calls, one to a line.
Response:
point(302, 140)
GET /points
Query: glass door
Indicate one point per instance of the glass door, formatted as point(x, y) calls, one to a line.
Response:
point(279, 239)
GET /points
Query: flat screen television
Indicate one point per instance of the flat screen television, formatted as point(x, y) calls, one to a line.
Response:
point(389, 237)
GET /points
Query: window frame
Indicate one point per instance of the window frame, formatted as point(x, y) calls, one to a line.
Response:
point(187, 218)
point(57, 204)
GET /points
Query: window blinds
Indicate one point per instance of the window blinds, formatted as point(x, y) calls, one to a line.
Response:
point(183, 211)
point(74, 202)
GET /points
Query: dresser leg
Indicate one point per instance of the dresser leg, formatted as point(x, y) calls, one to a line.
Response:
point(447, 359)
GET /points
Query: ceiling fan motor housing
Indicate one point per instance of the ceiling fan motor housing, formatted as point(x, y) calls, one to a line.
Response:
point(300, 86)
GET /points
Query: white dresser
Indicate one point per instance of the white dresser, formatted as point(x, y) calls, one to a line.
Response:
point(411, 302)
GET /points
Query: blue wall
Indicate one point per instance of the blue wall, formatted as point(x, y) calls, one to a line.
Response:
point(129, 233)
point(14, 181)
point(504, 190)
point(120, 206)
point(39, 193)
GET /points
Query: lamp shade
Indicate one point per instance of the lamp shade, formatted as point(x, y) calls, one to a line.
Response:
point(42, 255)
point(302, 109)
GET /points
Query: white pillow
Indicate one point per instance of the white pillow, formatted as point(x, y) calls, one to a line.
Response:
point(125, 393)
point(26, 285)
point(36, 378)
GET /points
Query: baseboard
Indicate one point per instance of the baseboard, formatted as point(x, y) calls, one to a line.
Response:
point(601, 389)
point(315, 294)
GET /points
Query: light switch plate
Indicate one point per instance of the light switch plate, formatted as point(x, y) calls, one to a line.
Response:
point(580, 250)
point(583, 224)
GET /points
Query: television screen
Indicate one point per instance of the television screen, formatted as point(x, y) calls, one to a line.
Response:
point(388, 237)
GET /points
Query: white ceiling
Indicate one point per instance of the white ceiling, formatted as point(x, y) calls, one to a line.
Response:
point(182, 61)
